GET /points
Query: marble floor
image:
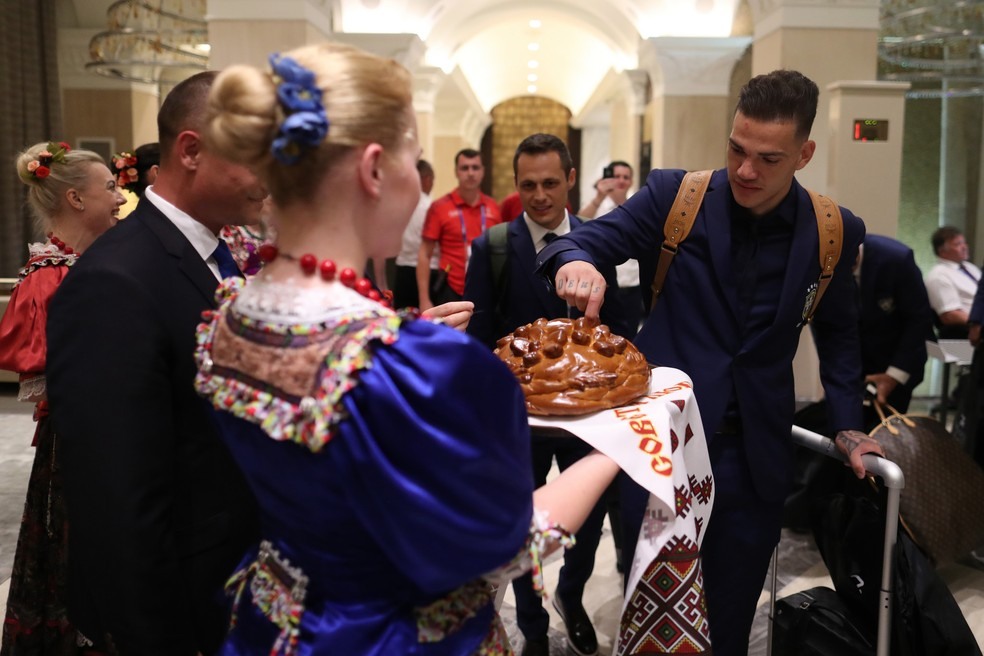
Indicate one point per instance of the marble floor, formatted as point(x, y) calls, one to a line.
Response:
point(800, 565)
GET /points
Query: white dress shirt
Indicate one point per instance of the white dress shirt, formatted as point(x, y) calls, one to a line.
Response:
point(202, 239)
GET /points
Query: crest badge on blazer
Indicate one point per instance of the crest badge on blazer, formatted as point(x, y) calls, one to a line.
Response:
point(886, 305)
point(811, 293)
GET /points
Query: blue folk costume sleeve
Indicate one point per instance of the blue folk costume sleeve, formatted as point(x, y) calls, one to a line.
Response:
point(436, 452)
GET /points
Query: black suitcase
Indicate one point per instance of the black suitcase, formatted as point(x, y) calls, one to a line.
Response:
point(817, 622)
point(894, 481)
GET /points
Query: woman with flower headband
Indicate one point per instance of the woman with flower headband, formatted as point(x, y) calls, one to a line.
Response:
point(74, 199)
point(387, 451)
point(135, 172)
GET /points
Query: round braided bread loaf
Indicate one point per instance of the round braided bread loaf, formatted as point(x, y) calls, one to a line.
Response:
point(573, 366)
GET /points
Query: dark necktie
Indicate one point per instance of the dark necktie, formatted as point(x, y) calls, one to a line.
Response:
point(227, 264)
point(549, 237)
point(968, 272)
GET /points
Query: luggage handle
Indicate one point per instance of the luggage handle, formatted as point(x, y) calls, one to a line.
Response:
point(895, 414)
point(893, 478)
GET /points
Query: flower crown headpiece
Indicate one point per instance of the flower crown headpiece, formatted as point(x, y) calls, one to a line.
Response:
point(124, 163)
point(40, 168)
point(306, 123)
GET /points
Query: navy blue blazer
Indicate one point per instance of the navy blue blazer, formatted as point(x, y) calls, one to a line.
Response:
point(527, 296)
point(160, 512)
point(695, 328)
point(977, 308)
point(896, 318)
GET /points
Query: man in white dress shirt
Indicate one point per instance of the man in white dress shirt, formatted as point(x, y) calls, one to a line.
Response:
point(952, 282)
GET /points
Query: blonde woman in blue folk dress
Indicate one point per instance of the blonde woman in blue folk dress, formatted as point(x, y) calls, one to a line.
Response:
point(389, 453)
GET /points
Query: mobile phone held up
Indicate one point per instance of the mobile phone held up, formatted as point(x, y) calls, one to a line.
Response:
point(608, 172)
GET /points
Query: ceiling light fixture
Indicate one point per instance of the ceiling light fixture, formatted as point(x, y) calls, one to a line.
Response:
point(535, 24)
point(166, 40)
point(534, 46)
point(533, 63)
point(532, 77)
point(531, 88)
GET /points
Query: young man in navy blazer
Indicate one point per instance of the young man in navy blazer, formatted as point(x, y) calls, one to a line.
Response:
point(730, 315)
point(544, 174)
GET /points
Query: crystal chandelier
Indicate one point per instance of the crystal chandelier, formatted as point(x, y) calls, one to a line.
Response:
point(152, 41)
point(938, 46)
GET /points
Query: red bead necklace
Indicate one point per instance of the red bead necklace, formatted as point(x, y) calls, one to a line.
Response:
point(327, 269)
point(59, 244)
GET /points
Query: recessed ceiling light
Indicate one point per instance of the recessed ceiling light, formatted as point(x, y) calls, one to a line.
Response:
point(535, 24)
point(534, 46)
point(533, 63)
point(532, 77)
point(531, 88)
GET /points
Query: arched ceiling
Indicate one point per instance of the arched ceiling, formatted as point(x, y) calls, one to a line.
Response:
point(578, 42)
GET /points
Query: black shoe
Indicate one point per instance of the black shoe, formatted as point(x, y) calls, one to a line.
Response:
point(537, 647)
point(580, 634)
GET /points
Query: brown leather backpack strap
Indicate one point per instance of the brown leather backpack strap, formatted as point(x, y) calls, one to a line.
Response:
point(679, 221)
point(830, 229)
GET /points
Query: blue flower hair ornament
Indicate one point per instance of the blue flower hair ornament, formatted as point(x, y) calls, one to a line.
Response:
point(306, 123)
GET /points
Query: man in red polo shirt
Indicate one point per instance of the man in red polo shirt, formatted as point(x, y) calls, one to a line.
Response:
point(452, 222)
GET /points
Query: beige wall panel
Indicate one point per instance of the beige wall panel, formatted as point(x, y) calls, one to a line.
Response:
point(145, 106)
point(98, 113)
point(251, 42)
point(425, 135)
point(445, 148)
point(655, 117)
point(625, 133)
point(694, 133)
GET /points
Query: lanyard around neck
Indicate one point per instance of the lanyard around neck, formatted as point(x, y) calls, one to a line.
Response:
point(461, 217)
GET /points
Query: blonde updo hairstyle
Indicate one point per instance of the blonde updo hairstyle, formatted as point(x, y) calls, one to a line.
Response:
point(45, 195)
point(367, 99)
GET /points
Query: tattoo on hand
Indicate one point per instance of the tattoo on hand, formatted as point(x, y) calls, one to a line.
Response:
point(596, 290)
point(570, 284)
point(850, 442)
point(585, 285)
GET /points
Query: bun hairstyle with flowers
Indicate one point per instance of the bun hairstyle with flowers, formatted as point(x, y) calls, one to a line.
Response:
point(292, 122)
point(131, 168)
point(49, 169)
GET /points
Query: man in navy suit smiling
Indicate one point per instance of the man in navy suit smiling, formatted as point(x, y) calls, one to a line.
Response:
point(730, 314)
point(509, 295)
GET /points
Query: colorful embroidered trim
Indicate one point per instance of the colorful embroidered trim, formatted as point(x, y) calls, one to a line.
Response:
point(443, 617)
point(312, 420)
point(541, 537)
point(42, 255)
point(278, 590)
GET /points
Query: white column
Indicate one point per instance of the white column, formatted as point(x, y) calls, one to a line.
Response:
point(690, 111)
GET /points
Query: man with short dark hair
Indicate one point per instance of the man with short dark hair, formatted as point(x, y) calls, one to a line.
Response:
point(952, 282)
point(453, 222)
point(511, 297)
point(733, 303)
point(159, 513)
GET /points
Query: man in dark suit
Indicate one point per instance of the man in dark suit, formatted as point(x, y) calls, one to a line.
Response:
point(730, 314)
point(896, 319)
point(159, 513)
point(513, 297)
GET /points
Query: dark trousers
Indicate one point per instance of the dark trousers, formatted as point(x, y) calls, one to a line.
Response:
point(742, 532)
point(405, 286)
point(532, 618)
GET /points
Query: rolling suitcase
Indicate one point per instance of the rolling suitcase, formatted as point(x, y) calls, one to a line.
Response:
point(829, 622)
